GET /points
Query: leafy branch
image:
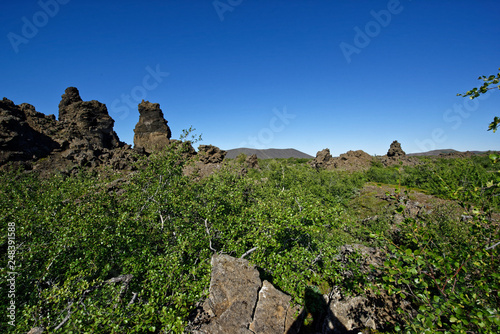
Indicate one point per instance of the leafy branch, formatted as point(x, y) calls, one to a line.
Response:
point(490, 82)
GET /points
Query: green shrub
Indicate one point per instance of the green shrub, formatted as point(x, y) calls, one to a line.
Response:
point(90, 259)
point(448, 270)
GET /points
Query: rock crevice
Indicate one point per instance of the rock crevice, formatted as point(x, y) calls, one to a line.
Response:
point(239, 302)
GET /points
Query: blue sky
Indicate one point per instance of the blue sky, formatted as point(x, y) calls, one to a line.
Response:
point(309, 75)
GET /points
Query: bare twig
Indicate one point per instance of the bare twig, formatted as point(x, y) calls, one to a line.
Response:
point(134, 295)
point(492, 246)
point(248, 252)
point(207, 229)
point(66, 318)
point(316, 259)
point(126, 280)
point(122, 278)
point(300, 206)
point(151, 198)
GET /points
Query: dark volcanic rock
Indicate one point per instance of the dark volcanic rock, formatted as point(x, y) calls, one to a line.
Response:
point(395, 150)
point(208, 159)
point(349, 161)
point(45, 124)
point(86, 124)
point(252, 162)
point(151, 132)
point(18, 140)
point(210, 154)
point(353, 161)
point(396, 156)
point(83, 136)
point(71, 95)
point(323, 159)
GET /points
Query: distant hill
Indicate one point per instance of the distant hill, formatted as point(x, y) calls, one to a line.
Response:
point(434, 152)
point(277, 153)
point(272, 153)
point(443, 151)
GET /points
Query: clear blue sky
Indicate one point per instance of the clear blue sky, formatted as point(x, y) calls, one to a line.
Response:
point(305, 74)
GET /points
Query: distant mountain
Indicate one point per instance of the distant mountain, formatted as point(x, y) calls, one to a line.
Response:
point(272, 153)
point(443, 151)
point(434, 152)
point(276, 153)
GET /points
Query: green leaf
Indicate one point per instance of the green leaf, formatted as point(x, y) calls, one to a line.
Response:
point(494, 125)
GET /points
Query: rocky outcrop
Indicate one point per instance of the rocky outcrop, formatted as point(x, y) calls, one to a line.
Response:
point(85, 135)
point(252, 162)
point(396, 156)
point(353, 314)
point(234, 288)
point(71, 95)
point(151, 132)
point(86, 125)
point(209, 154)
point(41, 123)
point(360, 160)
point(82, 137)
point(350, 161)
point(347, 312)
point(208, 159)
point(274, 312)
point(395, 150)
point(239, 302)
point(323, 159)
point(353, 161)
point(19, 140)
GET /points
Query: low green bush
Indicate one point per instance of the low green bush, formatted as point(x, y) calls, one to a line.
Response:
point(92, 259)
